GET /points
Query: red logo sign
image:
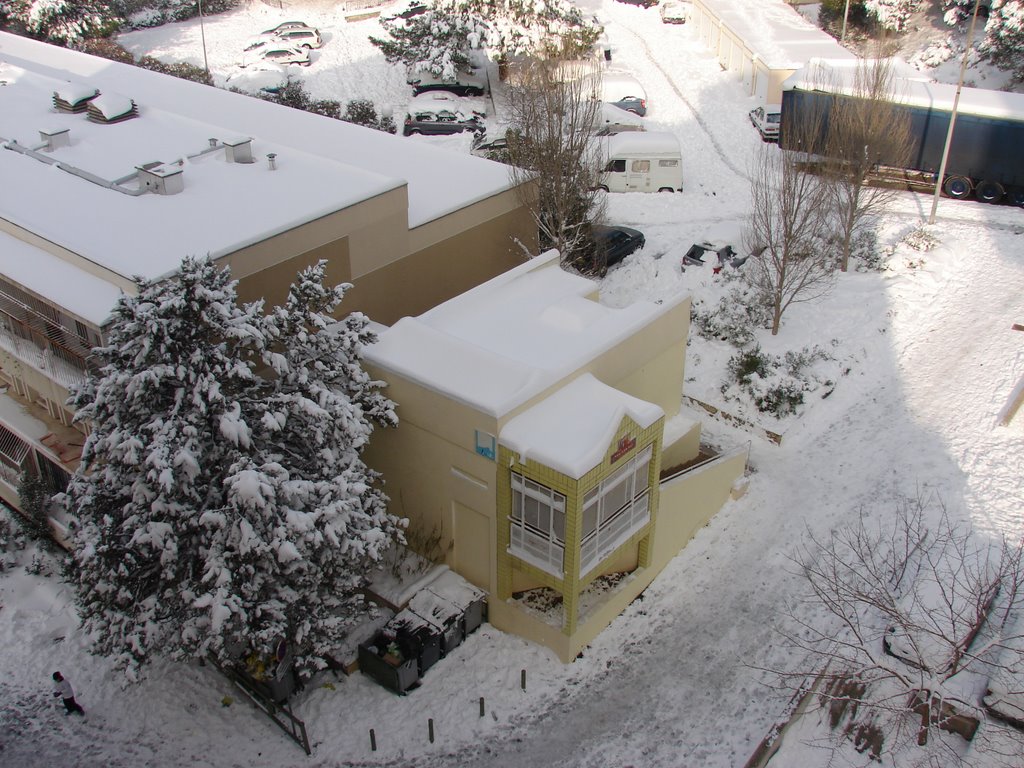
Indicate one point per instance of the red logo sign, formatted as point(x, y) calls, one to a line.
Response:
point(626, 444)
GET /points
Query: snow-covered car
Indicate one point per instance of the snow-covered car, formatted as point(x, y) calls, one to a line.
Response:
point(767, 119)
point(674, 12)
point(284, 53)
point(286, 25)
point(619, 89)
point(306, 38)
point(641, 3)
point(437, 113)
point(262, 76)
point(464, 84)
point(414, 8)
point(614, 243)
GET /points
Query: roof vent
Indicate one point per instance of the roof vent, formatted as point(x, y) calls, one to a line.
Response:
point(161, 178)
point(111, 108)
point(55, 139)
point(74, 98)
point(238, 149)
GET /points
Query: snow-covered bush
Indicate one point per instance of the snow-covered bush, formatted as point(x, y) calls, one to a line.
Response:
point(181, 69)
point(893, 14)
point(736, 317)
point(921, 238)
point(61, 21)
point(295, 95)
point(363, 112)
point(153, 13)
point(774, 384)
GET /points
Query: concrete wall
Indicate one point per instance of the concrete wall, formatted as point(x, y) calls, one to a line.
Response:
point(690, 500)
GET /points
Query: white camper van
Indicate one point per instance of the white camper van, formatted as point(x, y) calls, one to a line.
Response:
point(641, 162)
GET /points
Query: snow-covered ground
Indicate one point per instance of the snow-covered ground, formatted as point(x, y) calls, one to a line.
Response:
point(924, 360)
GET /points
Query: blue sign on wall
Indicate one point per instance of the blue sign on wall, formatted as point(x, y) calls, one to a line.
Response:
point(486, 445)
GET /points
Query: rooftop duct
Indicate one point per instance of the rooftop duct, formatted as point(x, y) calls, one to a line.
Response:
point(161, 178)
point(55, 139)
point(238, 149)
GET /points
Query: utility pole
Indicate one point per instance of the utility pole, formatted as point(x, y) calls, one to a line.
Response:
point(952, 116)
point(202, 34)
point(846, 14)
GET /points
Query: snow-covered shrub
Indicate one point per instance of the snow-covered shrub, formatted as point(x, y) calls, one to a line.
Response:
point(867, 255)
point(153, 13)
point(935, 54)
point(36, 495)
point(363, 112)
point(736, 317)
point(105, 48)
point(181, 69)
point(295, 95)
point(921, 239)
point(775, 384)
point(62, 21)
point(893, 14)
point(39, 566)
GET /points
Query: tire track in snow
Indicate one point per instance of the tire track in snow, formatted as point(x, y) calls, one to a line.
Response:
point(696, 114)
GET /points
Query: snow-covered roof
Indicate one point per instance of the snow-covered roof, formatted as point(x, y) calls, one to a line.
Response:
point(323, 165)
point(777, 33)
point(838, 77)
point(507, 340)
point(571, 430)
point(642, 142)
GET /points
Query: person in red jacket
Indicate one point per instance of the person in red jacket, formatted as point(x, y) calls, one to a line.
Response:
point(63, 689)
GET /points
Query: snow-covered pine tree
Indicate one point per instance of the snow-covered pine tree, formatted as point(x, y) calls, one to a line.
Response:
point(303, 516)
point(1004, 36)
point(61, 21)
point(892, 14)
point(198, 474)
point(179, 357)
point(956, 11)
point(440, 39)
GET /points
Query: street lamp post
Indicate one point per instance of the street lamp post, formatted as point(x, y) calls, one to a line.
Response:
point(952, 116)
point(846, 13)
point(202, 34)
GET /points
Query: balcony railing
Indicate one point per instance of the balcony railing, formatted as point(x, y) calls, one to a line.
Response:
point(57, 363)
point(614, 532)
point(537, 549)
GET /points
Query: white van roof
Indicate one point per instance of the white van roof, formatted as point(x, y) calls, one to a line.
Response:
point(642, 143)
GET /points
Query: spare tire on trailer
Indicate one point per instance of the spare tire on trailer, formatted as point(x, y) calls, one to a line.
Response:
point(989, 191)
point(957, 187)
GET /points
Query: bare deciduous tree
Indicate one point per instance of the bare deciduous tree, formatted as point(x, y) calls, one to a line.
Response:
point(920, 610)
point(866, 129)
point(788, 217)
point(554, 161)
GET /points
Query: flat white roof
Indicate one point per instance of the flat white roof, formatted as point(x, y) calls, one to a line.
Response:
point(323, 165)
point(571, 430)
point(502, 343)
point(838, 77)
point(777, 33)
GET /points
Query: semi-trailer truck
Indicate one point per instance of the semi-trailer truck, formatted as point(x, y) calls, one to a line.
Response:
point(986, 155)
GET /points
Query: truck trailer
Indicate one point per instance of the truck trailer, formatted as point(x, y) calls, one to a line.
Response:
point(986, 155)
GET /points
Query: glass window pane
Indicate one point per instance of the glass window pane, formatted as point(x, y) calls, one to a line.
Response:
point(517, 504)
point(590, 519)
point(615, 499)
point(558, 525)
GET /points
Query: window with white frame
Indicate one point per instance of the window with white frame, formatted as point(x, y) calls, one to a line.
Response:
point(615, 509)
point(537, 525)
